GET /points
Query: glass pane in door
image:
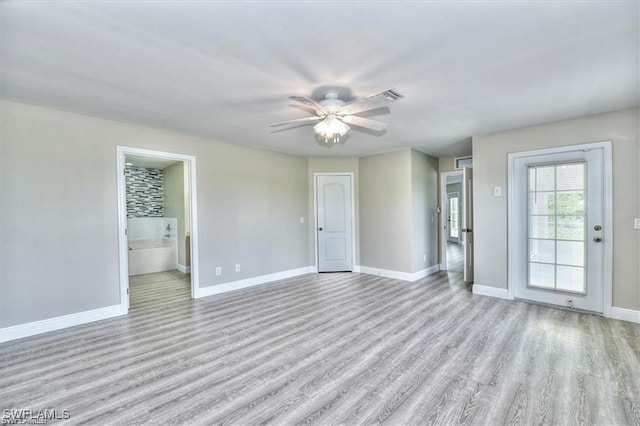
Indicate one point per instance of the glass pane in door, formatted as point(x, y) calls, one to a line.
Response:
point(556, 235)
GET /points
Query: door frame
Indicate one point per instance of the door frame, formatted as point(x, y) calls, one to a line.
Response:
point(354, 268)
point(607, 201)
point(123, 253)
point(443, 213)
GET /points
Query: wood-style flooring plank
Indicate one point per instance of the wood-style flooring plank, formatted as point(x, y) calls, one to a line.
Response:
point(330, 349)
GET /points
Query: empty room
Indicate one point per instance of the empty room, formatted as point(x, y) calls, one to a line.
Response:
point(319, 212)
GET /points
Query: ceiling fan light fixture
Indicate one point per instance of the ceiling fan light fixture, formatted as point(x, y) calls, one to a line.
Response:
point(331, 128)
point(335, 113)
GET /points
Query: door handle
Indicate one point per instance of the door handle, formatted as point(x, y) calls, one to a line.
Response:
point(319, 229)
point(597, 239)
point(597, 228)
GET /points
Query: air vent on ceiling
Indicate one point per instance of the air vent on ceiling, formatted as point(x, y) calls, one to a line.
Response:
point(389, 94)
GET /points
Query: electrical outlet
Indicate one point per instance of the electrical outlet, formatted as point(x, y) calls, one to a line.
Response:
point(424, 258)
point(237, 267)
point(497, 191)
point(218, 271)
point(636, 223)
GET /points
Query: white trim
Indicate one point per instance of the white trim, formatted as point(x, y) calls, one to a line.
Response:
point(356, 268)
point(397, 275)
point(183, 269)
point(250, 282)
point(425, 272)
point(624, 314)
point(121, 152)
point(353, 215)
point(51, 324)
point(607, 214)
point(485, 290)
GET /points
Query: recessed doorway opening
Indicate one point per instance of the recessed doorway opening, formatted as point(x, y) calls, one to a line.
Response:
point(456, 219)
point(157, 224)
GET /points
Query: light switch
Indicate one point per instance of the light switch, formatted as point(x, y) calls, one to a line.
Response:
point(636, 223)
point(301, 219)
point(497, 191)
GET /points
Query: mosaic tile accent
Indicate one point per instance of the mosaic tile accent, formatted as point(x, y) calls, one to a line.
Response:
point(145, 192)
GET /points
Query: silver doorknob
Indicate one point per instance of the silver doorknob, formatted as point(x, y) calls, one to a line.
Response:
point(597, 239)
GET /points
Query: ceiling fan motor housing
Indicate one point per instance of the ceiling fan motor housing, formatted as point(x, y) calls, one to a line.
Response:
point(331, 103)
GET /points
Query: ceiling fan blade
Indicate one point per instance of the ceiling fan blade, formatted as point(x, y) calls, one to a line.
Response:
point(308, 102)
point(365, 122)
point(365, 104)
point(297, 120)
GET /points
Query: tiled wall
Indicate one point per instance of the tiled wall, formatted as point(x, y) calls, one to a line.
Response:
point(144, 192)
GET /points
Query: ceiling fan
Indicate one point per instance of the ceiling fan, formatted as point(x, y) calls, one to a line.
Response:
point(333, 113)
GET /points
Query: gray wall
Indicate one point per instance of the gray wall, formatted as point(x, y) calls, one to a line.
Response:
point(398, 200)
point(490, 213)
point(59, 242)
point(174, 204)
point(332, 165)
point(385, 211)
point(424, 199)
point(454, 187)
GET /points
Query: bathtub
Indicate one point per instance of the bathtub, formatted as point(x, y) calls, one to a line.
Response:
point(153, 255)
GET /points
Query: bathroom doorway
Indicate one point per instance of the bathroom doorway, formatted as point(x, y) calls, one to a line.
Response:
point(157, 224)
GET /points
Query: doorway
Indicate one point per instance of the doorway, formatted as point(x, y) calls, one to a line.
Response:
point(334, 221)
point(560, 226)
point(456, 221)
point(157, 220)
point(453, 217)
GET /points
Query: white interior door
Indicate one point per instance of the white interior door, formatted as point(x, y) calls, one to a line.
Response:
point(334, 227)
point(558, 221)
point(467, 222)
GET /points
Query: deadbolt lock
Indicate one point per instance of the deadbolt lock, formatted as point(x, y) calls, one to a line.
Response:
point(597, 239)
point(597, 228)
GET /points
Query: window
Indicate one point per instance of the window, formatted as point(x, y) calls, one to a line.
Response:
point(557, 230)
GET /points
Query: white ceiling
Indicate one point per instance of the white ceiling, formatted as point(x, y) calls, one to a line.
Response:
point(225, 69)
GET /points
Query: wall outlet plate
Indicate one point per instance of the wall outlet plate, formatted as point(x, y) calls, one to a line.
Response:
point(237, 267)
point(218, 271)
point(636, 223)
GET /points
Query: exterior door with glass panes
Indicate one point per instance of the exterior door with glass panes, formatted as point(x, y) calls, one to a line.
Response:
point(559, 214)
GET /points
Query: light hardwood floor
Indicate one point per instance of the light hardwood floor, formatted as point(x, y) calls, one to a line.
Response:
point(330, 349)
point(455, 257)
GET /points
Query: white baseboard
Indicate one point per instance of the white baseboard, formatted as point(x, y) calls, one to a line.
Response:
point(404, 276)
point(425, 272)
point(249, 282)
point(183, 269)
point(484, 290)
point(51, 324)
point(625, 314)
point(356, 268)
